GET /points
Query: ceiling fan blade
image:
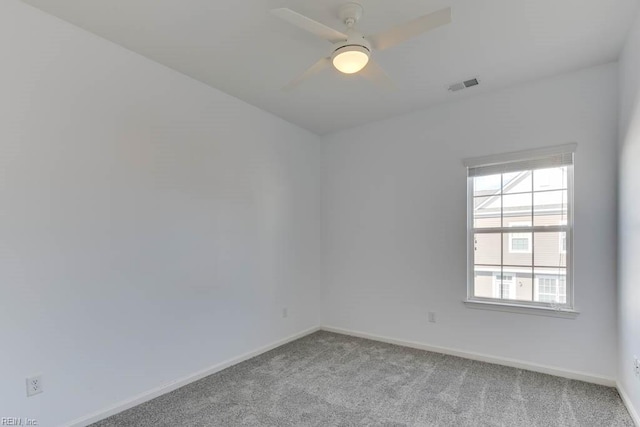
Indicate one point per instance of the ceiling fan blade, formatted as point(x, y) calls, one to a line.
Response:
point(408, 30)
point(314, 69)
point(374, 73)
point(309, 25)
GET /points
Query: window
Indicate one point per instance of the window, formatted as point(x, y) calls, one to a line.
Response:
point(520, 242)
point(520, 228)
point(551, 289)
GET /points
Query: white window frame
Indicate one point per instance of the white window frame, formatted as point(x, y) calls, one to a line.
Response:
point(529, 238)
point(511, 162)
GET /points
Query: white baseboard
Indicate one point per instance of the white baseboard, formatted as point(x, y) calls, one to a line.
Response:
point(173, 385)
point(514, 363)
point(627, 402)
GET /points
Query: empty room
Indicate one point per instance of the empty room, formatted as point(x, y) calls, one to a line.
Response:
point(319, 213)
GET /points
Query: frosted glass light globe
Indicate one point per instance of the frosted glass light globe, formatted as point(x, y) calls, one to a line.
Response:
point(350, 59)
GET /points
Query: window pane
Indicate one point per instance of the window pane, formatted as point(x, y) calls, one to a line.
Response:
point(521, 241)
point(547, 250)
point(486, 211)
point(524, 284)
point(483, 281)
point(550, 208)
point(487, 249)
point(517, 249)
point(517, 209)
point(551, 285)
point(517, 182)
point(550, 179)
point(487, 185)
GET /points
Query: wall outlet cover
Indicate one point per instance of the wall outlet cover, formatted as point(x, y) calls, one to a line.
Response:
point(34, 385)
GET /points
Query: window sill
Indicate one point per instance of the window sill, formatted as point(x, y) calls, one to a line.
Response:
point(522, 309)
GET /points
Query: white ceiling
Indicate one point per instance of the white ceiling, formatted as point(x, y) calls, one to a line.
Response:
point(239, 48)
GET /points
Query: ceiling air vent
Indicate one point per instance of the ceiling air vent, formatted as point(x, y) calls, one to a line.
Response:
point(463, 85)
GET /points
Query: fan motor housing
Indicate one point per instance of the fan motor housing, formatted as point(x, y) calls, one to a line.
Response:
point(354, 40)
point(350, 47)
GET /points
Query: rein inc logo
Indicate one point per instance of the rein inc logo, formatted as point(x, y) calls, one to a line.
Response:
point(18, 421)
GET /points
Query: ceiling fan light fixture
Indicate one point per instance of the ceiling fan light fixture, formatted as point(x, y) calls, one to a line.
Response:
point(350, 59)
point(351, 48)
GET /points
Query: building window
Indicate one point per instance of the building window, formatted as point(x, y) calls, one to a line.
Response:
point(520, 228)
point(551, 289)
point(520, 242)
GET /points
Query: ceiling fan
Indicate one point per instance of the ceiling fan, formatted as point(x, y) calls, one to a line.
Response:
point(351, 51)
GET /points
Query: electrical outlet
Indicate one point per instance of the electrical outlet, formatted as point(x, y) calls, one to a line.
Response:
point(285, 313)
point(34, 385)
point(432, 317)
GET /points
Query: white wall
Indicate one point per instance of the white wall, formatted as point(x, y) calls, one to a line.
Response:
point(151, 226)
point(395, 218)
point(629, 224)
